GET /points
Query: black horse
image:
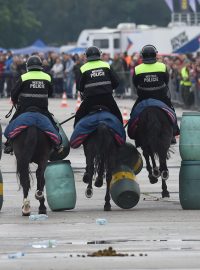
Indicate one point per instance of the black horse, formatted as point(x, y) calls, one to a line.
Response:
point(100, 149)
point(32, 145)
point(154, 134)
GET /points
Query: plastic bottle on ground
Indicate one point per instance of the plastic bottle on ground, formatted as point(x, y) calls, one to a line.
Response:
point(38, 217)
point(101, 221)
point(16, 255)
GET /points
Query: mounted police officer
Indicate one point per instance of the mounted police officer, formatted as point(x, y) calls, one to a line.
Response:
point(31, 92)
point(96, 84)
point(151, 80)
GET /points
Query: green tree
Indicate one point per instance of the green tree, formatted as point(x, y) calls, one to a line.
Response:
point(17, 23)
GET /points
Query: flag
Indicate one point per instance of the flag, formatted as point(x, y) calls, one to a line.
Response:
point(130, 44)
point(192, 4)
point(170, 4)
point(184, 5)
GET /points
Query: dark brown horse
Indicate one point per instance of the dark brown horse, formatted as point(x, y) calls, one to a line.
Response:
point(100, 150)
point(32, 145)
point(154, 134)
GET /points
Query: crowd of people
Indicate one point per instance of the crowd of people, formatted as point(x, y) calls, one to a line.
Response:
point(64, 68)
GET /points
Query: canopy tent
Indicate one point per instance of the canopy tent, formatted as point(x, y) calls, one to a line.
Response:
point(37, 46)
point(2, 49)
point(76, 50)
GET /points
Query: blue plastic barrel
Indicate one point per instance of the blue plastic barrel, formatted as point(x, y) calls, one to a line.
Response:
point(60, 185)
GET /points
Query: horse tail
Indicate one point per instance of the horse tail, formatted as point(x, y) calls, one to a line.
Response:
point(154, 131)
point(105, 145)
point(27, 152)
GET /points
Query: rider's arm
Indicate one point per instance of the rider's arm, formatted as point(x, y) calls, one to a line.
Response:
point(114, 78)
point(16, 91)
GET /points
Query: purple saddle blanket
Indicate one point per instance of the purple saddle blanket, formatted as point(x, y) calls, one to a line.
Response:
point(89, 123)
point(135, 114)
point(36, 119)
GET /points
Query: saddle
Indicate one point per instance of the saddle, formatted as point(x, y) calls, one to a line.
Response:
point(97, 108)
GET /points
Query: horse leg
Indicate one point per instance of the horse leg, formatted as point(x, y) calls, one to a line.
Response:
point(90, 170)
point(39, 194)
point(152, 178)
point(107, 205)
point(164, 174)
point(99, 179)
point(156, 171)
point(23, 170)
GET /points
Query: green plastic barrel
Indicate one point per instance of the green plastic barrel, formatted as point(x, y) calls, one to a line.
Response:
point(189, 145)
point(124, 189)
point(129, 156)
point(1, 190)
point(189, 185)
point(65, 142)
point(60, 185)
point(0, 141)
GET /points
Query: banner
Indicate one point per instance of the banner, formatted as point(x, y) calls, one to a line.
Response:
point(192, 4)
point(170, 4)
point(184, 5)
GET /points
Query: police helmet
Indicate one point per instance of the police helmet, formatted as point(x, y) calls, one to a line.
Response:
point(34, 63)
point(93, 53)
point(149, 53)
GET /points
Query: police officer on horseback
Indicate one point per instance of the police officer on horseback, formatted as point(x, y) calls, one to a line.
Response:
point(151, 80)
point(96, 84)
point(31, 92)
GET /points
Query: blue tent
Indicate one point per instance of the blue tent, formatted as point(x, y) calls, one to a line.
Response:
point(37, 46)
point(77, 50)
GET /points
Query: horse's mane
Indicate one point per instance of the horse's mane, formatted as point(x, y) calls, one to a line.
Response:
point(154, 130)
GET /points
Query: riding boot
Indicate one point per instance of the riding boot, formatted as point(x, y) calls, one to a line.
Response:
point(8, 147)
point(176, 132)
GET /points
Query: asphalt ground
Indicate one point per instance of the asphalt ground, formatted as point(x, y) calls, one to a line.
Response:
point(156, 234)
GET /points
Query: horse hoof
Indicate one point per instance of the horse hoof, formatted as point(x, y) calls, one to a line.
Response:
point(153, 179)
point(26, 208)
point(42, 211)
point(165, 194)
point(39, 195)
point(99, 182)
point(156, 172)
point(165, 175)
point(86, 178)
point(89, 192)
point(107, 207)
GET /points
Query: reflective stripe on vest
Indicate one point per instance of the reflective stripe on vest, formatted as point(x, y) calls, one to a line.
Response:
point(35, 75)
point(147, 68)
point(94, 65)
point(34, 95)
point(97, 84)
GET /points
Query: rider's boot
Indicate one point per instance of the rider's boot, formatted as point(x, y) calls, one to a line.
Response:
point(8, 147)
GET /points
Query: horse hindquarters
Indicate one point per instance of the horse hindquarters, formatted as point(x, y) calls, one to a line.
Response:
point(24, 147)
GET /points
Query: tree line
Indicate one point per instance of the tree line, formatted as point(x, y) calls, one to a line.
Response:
point(59, 22)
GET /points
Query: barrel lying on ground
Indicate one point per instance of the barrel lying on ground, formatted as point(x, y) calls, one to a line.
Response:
point(60, 185)
point(124, 189)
